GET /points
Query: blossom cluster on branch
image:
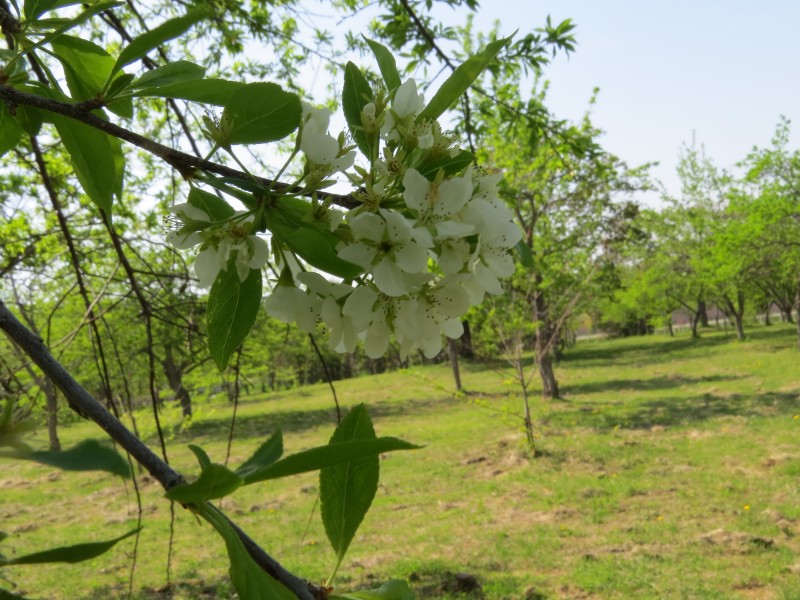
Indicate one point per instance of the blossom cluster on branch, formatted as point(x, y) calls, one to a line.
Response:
point(430, 235)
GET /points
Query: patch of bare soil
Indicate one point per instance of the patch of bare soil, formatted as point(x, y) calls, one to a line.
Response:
point(737, 542)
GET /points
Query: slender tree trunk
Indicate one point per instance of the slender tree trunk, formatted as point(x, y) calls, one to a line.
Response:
point(544, 355)
point(174, 373)
point(465, 347)
point(669, 326)
point(767, 319)
point(452, 350)
point(696, 318)
point(703, 312)
point(52, 413)
point(737, 312)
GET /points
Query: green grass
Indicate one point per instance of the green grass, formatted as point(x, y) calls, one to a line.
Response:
point(669, 470)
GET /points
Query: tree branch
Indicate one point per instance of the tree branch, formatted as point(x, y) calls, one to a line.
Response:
point(184, 163)
point(84, 404)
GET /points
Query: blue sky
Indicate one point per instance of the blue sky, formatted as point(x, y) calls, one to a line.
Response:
point(723, 71)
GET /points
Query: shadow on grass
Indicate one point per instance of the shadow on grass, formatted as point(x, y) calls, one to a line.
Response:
point(262, 425)
point(681, 411)
point(655, 383)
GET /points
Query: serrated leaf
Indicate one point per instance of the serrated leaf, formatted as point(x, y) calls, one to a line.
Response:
point(460, 80)
point(96, 159)
point(356, 94)
point(70, 554)
point(327, 456)
point(10, 130)
point(87, 66)
point(249, 580)
point(201, 456)
point(346, 490)
point(232, 309)
point(206, 91)
point(267, 453)
point(140, 46)
point(386, 64)
point(262, 112)
point(88, 455)
point(214, 206)
point(451, 165)
point(395, 589)
point(215, 481)
point(180, 71)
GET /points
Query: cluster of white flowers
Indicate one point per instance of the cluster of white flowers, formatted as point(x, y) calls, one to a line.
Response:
point(218, 242)
point(429, 249)
point(430, 245)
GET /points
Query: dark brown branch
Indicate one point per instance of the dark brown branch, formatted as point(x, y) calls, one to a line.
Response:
point(184, 163)
point(82, 402)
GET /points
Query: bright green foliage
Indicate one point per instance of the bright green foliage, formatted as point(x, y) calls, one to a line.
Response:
point(356, 94)
point(88, 455)
point(68, 554)
point(460, 80)
point(267, 453)
point(386, 63)
point(232, 308)
point(260, 113)
point(249, 579)
point(215, 481)
point(391, 590)
point(346, 490)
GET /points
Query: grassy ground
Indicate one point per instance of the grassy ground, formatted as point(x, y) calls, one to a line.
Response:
point(669, 470)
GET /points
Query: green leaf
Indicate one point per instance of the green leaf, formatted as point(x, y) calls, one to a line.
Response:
point(69, 554)
point(346, 490)
point(96, 158)
point(386, 64)
point(179, 71)
point(92, 8)
point(391, 590)
point(327, 456)
point(525, 255)
point(206, 91)
point(215, 481)
point(10, 130)
point(30, 119)
point(460, 80)
point(292, 223)
point(232, 309)
point(214, 206)
point(267, 454)
point(452, 165)
point(88, 455)
point(261, 112)
point(356, 94)
point(249, 580)
point(33, 9)
point(87, 66)
point(140, 46)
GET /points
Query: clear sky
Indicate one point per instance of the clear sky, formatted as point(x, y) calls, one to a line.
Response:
point(722, 70)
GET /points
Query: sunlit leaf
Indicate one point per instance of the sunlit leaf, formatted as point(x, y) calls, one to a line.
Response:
point(391, 590)
point(267, 453)
point(88, 455)
point(262, 112)
point(206, 91)
point(346, 490)
point(460, 80)
point(249, 580)
point(232, 309)
point(386, 64)
point(69, 554)
point(10, 130)
point(214, 206)
point(326, 456)
point(356, 94)
point(180, 71)
point(215, 481)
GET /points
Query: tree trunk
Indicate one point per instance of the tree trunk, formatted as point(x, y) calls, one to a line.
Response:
point(702, 310)
point(544, 356)
point(465, 348)
point(696, 318)
point(52, 413)
point(174, 373)
point(452, 350)
point(737, 312)
point(767, 320)
point(669, 326)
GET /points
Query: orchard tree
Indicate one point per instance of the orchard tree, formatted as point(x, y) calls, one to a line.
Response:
point(89, 95)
